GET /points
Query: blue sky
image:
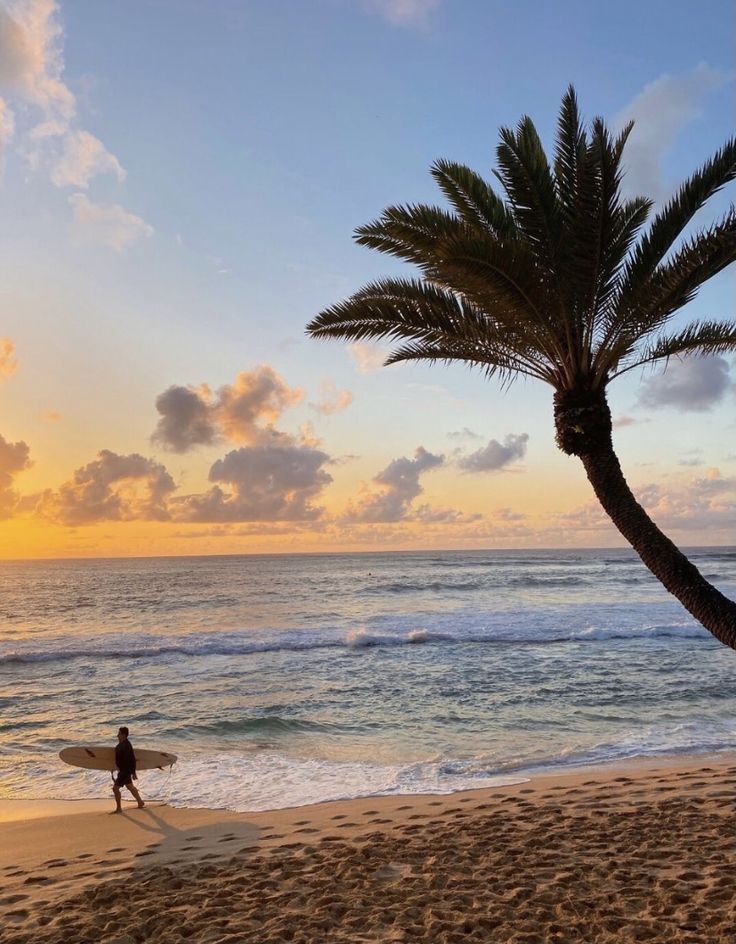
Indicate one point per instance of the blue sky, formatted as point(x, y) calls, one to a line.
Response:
point(189, 207)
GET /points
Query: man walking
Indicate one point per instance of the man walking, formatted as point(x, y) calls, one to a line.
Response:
point(125, 763)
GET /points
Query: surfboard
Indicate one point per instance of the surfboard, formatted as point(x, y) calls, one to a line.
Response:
point(103, 758)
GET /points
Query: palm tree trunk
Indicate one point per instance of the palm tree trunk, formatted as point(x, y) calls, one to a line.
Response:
point(583, 422)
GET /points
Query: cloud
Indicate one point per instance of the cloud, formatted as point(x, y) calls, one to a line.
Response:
point(242, 412)
point(275, 481)
point(8, 361)
point(394, 489)
point(368, 358)
point(51, 416)
point(7, 127)
point(661, 110)
point(332, 400)
point(111, 488)
point(620, 422)
point(464, 434)
point(187, 419)
point(694, 383)
point(404, 12)
point(703, 503)
point(84, 156)
point(32, 77)
point(31, 58)
point(108, 223)
point(257, 396)
point(14, 458)
point(495, 455)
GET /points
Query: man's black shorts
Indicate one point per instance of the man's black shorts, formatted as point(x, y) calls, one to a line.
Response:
point(122, 780)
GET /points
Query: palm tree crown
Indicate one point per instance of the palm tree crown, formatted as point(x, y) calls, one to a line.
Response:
point(550, 282)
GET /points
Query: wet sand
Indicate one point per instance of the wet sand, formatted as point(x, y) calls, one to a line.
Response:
point(645, 852)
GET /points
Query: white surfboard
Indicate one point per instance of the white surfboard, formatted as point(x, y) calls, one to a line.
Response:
point(103, 758)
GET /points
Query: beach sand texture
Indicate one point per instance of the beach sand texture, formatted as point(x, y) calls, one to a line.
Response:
point(635, 854)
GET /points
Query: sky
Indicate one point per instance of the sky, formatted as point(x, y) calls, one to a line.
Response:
point(180, 184)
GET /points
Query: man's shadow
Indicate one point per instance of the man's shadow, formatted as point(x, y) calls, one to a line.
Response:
point(171, 845)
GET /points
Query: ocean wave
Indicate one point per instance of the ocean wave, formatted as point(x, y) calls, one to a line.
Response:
point(553, 581)
point(214, 645)
point(430, 586)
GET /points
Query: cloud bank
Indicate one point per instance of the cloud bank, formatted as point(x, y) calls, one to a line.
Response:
point(14, 458)
point(8, 360)
point(495, 455)
point(111, 488)
point(241, 412)
point(394, 489)
point(275, 481)
point(661, 111)
point(694, 383)
point(32, 78)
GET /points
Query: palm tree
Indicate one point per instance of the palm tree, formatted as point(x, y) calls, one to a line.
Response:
point(553, 283)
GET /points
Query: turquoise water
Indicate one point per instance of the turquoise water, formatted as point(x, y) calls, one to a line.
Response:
point(286, 680)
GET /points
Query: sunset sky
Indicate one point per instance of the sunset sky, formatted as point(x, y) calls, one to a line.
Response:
point(180, 182)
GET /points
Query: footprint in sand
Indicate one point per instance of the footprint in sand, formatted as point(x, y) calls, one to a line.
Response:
point(342, 815)
point(192, 839)
point(307, 829)
point(12, 899)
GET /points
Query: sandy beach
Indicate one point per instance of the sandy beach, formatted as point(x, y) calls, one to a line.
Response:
point(617, 854)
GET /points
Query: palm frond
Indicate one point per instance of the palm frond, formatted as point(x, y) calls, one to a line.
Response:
point(492, 359)
point(474, 199)
point(670, 223)
point(527, 179)
point(400, 308)
point(699, 338)
point(570, 150)
point(408, 232)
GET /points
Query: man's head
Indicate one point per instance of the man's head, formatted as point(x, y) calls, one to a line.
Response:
point(122, 733)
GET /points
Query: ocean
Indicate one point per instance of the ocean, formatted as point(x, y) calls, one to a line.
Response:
point(285, 680)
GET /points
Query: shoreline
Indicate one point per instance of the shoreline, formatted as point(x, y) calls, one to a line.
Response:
point(14, 809)
point(642, 851)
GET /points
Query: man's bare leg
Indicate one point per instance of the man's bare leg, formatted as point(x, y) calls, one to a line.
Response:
point(134, 791)
point(118, 804)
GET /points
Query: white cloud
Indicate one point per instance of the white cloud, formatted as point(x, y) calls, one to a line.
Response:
point(464, 434)
point(84, 156)
point(32, 77)
point(661, 110)
point(276, 481)
point(332, 400)
point(31, 56)
point(705, 503)
point(108, 223)
point(111, 488)
point(694, 383)
point(394, 489)
point(14, 458)
point(404, 12)
point(7, 127)
point(242, 412)
point(495, 455)
point(8, 360)
point(367, 357)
